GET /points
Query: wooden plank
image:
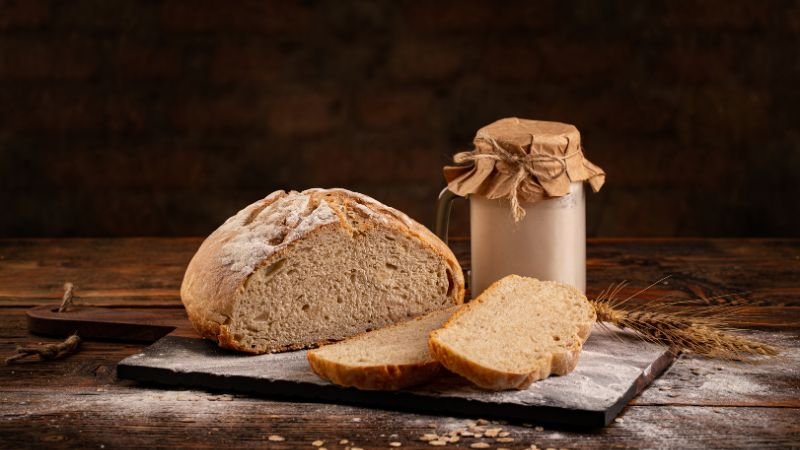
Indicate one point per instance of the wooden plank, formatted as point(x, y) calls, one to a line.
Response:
point(144, 301)
point(98, 267)
point(133, 417)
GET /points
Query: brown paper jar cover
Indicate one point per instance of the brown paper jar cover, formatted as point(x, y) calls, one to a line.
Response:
point(524, 161)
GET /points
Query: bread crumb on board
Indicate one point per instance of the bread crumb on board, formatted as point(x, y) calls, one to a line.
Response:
point(395, 444)
point(318, 443)
point(492, 432)
point(276, 438)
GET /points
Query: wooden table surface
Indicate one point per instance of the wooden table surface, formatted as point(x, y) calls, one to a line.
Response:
point(77, 402)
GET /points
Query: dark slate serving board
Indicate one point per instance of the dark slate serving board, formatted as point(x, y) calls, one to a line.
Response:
point(614, 367)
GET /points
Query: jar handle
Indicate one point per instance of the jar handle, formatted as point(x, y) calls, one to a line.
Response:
point(443, 208)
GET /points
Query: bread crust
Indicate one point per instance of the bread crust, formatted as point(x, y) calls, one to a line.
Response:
point(213, 277)
point(380, 377)
point(556, 363)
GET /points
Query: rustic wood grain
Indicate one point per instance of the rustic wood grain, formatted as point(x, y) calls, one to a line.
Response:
point(78, 403)
point(99, 268)
point(135, 417)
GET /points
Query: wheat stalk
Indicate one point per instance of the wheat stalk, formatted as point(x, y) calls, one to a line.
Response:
point(698, 330)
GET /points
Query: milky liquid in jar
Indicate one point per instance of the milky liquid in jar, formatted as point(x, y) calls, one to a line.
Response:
point(549, 243)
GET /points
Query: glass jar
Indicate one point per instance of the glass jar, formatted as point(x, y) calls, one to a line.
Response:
point(549, 243)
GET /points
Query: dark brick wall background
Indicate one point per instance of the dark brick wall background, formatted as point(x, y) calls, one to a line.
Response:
point(165, 117)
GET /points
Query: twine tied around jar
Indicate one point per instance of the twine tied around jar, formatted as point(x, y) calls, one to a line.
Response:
point(528, 164)
point(524, 161)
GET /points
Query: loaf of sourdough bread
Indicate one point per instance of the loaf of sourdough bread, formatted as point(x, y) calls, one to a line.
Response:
point(517, 331)
point(299, 269)
point(389, 358)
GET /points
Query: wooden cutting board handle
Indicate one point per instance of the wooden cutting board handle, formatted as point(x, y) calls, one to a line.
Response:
point(106, 323)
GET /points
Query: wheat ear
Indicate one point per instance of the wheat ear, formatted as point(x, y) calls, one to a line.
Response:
point(698, 330)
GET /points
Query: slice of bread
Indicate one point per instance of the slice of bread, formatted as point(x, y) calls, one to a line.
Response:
point(390, 358)
point(298, 269)
point(516, 332)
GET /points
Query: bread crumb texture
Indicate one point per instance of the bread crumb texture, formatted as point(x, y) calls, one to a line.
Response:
point(517, 331)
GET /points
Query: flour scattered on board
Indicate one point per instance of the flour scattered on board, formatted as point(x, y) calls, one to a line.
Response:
point(607, 369)
point(732, 384)
point(695, 377)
